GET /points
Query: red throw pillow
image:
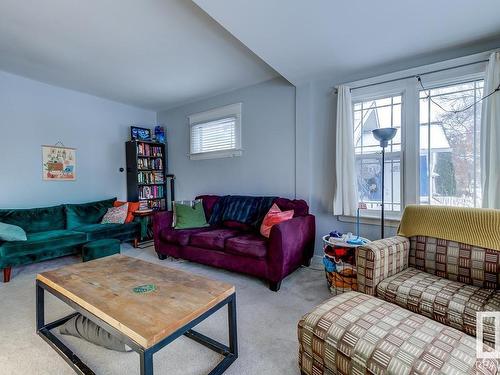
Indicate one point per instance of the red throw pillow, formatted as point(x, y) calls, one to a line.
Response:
point(273, 217)
point(132, 207)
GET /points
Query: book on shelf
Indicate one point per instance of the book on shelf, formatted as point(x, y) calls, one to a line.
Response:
point(151, 192)
point(148, 163)
point(151, 205)
point(145, 149)
point(150, 177)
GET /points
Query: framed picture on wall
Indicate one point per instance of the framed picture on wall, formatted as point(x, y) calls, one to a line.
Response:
point(59, 163)
point(140, 134)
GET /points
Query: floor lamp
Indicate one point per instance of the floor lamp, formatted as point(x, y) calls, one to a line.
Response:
point(383, 135)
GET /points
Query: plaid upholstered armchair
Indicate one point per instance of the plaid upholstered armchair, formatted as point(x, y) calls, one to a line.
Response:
point(444, 264)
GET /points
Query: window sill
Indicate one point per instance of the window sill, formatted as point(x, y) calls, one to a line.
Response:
point(390, 220)
point(216, 155)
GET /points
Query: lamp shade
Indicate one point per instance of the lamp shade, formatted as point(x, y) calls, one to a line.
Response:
point(384, 135)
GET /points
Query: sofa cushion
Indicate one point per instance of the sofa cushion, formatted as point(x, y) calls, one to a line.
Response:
point(213, 239)
point(180, 236)
point(251, 245)
point(35, 219)
point(43, 240)
point(101, 231)
point(355, 333)
point(232, 224)
point(86, 213)
point(449, 302)
point(456, 261)
point(33, 256)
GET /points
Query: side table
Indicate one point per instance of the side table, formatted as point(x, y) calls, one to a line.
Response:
point(145, 217)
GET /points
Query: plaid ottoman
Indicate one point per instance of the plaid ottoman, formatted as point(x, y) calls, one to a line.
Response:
point(355, 333)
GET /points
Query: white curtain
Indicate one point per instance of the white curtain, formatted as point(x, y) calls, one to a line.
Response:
point(490, 135)
point(346, 192)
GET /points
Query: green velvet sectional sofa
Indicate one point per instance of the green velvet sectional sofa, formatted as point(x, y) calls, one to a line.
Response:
point(58, 231)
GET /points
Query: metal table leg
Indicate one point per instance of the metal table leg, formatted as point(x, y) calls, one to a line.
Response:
point(146, 362)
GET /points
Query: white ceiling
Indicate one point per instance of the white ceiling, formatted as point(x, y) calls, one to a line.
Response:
point(158, 54)
point(305, 39)
point(154, 54)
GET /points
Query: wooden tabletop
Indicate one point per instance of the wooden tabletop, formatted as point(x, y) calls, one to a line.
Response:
point(105, 287)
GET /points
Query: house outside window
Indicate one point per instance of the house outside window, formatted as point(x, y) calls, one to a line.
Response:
point(370, 115)
point(434, 158)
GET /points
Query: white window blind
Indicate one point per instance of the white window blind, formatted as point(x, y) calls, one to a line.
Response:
point(216, 133)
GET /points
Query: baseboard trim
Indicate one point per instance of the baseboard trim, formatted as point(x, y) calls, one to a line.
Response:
point(317, 260)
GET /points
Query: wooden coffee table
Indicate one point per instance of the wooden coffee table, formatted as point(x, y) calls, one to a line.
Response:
point(147, 306)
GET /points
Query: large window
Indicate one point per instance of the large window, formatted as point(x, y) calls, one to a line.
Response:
point(434, 158)
point(449, 145)
point(216, 133)
point(369, 115)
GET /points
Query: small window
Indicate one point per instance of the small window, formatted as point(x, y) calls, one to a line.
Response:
point(216, 133)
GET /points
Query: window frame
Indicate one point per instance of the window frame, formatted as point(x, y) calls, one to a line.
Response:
point(231, 110)
point(378, 92)
point(409, 89)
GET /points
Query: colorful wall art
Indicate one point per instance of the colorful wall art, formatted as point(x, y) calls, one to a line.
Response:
point(59, 163)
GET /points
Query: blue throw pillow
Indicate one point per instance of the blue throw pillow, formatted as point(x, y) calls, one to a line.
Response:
point(10, 232)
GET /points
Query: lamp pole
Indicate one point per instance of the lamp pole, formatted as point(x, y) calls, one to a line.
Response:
point(383, 193)
point(383, 135)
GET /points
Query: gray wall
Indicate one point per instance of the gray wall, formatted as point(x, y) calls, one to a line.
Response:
point(267, 166)
point(33, 114)
point(316, 115)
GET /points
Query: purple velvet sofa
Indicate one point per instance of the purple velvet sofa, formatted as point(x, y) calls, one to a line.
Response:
point(238, 247)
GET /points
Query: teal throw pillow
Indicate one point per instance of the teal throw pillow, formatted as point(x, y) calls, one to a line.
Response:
point(187, 216)
point(9, 232)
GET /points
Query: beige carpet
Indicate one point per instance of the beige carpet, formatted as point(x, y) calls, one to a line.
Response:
point(267, 324)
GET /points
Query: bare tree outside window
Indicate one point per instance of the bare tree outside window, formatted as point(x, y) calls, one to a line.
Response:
point(449, 145)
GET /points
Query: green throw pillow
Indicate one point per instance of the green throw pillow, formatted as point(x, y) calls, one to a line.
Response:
point(9, 232)
point(187, 217)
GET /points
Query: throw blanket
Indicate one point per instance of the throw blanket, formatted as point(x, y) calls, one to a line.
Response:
point(248, 210)
point(473, 226)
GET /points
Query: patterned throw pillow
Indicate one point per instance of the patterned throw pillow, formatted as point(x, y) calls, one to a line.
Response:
point(115, 215)
point(132, 207)
point(273, 217)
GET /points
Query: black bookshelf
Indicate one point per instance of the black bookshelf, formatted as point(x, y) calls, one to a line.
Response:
point(147, 174)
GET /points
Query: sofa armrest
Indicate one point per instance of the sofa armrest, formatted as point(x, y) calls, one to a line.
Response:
point(291, 243)
point(380, 259)
point(161, 220)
